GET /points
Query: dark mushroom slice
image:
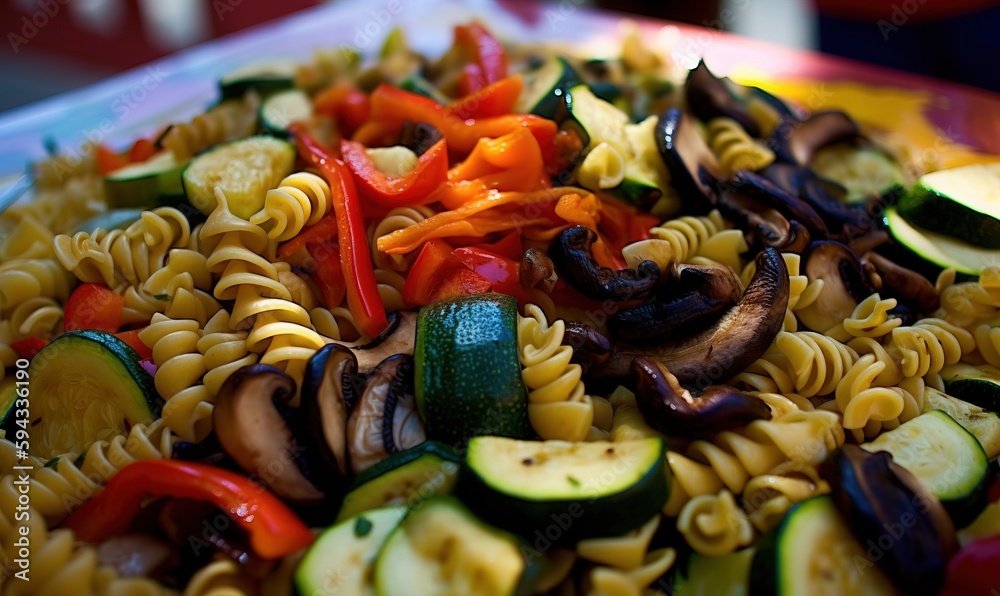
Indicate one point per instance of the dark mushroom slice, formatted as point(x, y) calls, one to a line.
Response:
point(328, 393)
point(736, 340)
point(590, 347)
point(251, 429)
point(691, 162)
point(826, 197)
point(694, 298)
point(419, 137)
point(773, 196)
point(385, 419)
point(787, 176)
point(537, 270)
point(673, 410)
point(796, 141)
point(763, 226)
point(709, 97)
point(571, 253)
point(398, 338)
point(886, 506)
point(138, 555)
point(906, 285)
point(845, 284)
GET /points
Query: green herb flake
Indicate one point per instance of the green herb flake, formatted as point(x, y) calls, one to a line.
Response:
point(573, 481)
point(362, 527)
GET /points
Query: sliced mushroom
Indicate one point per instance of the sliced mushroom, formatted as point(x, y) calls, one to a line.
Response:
point(419, 137)
point(763, 226)
point(691, 162)
point(252, 430)
point(695, 297)
point(904, 284)
point(398, 338)
point(845, 284)
point(882, 501)
point(385, 419)
point(709, 97)
point(537, 270)
point(571, 253)
point(590, 347)
point(138, 555)
point(673, 410)
point(826, 197)
point(773, 196)
point(735, 341)
point(328, 392)
point(796, 141)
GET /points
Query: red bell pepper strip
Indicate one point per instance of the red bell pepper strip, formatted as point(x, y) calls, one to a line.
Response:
point(502, 273)
point(141, 150)
point(414, 188)
point(346, 104)
point(273, 529)
point(363, 297)
point(322, 231)
point(93, 306)
point(975, 569)
point(510, 246)
point(108, 161)
point(395, 106)
point(28, 347)
point(495, 99)
point(437, 274)
point(487, 57)
point(131, 337)
point(328, 273)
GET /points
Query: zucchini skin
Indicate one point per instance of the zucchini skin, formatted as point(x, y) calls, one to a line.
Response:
point(550, 523)
point(926, 208)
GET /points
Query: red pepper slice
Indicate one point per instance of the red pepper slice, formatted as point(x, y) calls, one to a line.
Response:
point(414, 188)
point(975, 569)
point(502, 273)
point(488, 59)
point(328, 273)
point(510, 246)
point(93, 306)
point(141, 150)
point(108, 161)
point(437, 274)
point(131, 337)
point(363, 297)
point(348, 106)
point(29, 346)
point(274, 530)
point(495, 99)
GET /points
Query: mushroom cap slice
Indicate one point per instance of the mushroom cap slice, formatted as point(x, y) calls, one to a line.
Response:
point(571, 253)
point(328, 391)
point(845, 284)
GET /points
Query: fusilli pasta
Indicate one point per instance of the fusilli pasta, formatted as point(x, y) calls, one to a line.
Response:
point(736, 149)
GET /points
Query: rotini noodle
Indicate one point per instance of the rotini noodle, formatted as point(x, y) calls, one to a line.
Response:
point(736, 149)
point(299, 201)
point(397, 219)
point(230, 119)
point(714, 525)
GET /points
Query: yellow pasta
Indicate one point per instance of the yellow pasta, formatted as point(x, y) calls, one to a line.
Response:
point(735, 149)
point(969, 304)
point(398, 218)
point(870, 318)
point(299, 201)
point(766, 498)
point(228, 120)
point(714, 525)
point(803, 362)
point(680, 240)
point(24, 279)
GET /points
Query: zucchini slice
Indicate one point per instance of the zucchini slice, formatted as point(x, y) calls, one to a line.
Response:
point(442, 548)
point(421, 86)
point(340, 561)
point(961, 202)
point(812, 551)
point(708, 576)
point(154, 182)
point(265, 78)
point(561, 492)
point(938, 249)
point(984, 425)
point(864, 171)
point(544, 86)
point(978, 385)
point(947, 458)
point(245, 170)
point(280, 110)
point(408, 477)
point(87, 386)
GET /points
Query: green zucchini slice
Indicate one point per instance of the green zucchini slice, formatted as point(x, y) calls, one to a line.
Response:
point(978, 385)
point(154, 182)
point(341, 559)
point(947, 458)
point(244, 170)
point(709, 576)
point(559, 492)
point(281, 110)
point(265, 78)
point(865, 171)
point(961, 202)
point(408, 477)
point(544, 86)
point(984, 425)
point(441, 548)
point(938, 249)
point(812, 551)
point(87, 386)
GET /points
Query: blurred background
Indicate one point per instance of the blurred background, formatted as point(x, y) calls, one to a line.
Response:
point(57, 45)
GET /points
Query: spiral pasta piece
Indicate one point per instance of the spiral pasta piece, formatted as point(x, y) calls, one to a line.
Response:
point(37, 317)
point(30, 239)
point(300, 200)
point(714, 525)
point(681, 239)
point(766, 498)
point(398, 218)
point(803, 362)
point(625, 564)
point(735, 149)
point(802, 293)
point(228, 120)
point(335, 323)
point(870, 318)
point(24, 279)
point(969, 304)
point(558, 407)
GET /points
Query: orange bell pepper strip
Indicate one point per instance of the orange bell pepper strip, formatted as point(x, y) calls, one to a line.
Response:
point(395, 106)
point(320, 232)
point(363, 298)
point(414, 188)
point(495, 99)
